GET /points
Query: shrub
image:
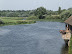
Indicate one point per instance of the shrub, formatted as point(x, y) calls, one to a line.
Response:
point(26, 21)
point(21, 22)
point(1, 22)
point(66, 14)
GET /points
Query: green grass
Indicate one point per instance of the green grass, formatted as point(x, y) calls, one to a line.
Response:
point(70, 47)
point(12, 18)
point(15, 21)
point(19, 20)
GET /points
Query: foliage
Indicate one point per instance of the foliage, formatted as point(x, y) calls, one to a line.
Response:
point(11, 14)
point(15, 20)
point(25, 21)
point(52, 17)
point(66, 14)
point(1, 22)
point(59, 10)
point(70, 47)
point(70, 9)
point(50, 12)
point(40, 12)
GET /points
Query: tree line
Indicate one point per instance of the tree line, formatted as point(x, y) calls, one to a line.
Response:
point(40, 13)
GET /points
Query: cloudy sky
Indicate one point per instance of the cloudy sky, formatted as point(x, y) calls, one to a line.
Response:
point(33, 4)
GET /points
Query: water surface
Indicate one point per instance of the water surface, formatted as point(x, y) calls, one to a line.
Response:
point(38, 38)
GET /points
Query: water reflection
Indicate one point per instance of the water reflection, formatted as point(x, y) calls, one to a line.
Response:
point(64, 49)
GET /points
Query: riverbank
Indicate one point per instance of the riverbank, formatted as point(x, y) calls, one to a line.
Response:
point(15, 21)
point(19, 20)
point(50, 20)
point(70, 47)
point(45, 19)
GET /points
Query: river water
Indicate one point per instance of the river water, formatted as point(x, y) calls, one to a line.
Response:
point(38, 38)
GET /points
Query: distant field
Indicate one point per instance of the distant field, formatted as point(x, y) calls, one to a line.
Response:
point(15, 20)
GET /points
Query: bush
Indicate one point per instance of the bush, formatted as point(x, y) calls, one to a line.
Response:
point(1, 22)
point(11, 14)
point(21, 22)
point(41, 17)
point(70, 46)
point(25, 22)
point(66, 14)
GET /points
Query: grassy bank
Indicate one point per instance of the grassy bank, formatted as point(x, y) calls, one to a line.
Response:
point(52, 18)
point(49, 20)
point(70, 47)
point(15, 21)
point(28, 20)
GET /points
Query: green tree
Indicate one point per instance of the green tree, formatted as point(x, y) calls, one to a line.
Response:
point(40, 12)
point(1, 22)
point(70, 9)
point(12, 14)
point(59, 10)
point(66, 14)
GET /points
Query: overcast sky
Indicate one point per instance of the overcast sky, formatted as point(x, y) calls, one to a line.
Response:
point(33, 4)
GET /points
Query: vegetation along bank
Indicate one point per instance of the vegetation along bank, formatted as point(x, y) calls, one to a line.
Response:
point(13, 17)
point(70, 47)
point(14, 21)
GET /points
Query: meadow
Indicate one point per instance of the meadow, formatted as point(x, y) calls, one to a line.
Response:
point(15, 21)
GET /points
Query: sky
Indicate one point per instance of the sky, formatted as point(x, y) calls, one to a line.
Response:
point(33, 4)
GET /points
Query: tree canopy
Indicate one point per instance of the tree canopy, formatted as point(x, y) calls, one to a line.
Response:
point(59, 10)
point(40, 12)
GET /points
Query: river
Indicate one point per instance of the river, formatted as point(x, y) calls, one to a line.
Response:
point(38, 38)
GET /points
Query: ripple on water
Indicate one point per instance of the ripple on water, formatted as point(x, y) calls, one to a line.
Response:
point(38, 38)
point(4, 31)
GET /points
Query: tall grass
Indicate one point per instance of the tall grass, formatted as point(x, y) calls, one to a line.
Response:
point(15, 20)
point(70, 47)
